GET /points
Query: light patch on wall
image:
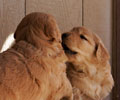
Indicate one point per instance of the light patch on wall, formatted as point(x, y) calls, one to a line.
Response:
point(8, 42)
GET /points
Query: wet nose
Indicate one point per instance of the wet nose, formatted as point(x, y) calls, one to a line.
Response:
point(64, 35)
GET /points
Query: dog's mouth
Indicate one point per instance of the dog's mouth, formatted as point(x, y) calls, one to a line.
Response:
point(68, 50)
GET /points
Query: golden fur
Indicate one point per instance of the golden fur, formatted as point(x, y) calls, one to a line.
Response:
point(88, 66)
point(34, 68)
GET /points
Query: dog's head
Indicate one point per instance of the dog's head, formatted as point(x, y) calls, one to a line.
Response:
point(80, 42)
point(37, 28)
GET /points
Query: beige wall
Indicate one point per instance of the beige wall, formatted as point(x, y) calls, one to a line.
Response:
point(68, 13)
point(98, 17)
point(11, 12)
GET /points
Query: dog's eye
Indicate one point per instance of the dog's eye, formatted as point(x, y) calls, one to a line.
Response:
point(83, 37)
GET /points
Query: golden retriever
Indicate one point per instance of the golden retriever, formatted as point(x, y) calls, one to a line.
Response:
point(88, 66)
point(34, 67)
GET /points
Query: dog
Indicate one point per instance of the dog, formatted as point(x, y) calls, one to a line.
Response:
point(34, 67)
point(88, 67)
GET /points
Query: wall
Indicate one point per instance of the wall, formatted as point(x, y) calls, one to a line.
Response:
point(94, 14)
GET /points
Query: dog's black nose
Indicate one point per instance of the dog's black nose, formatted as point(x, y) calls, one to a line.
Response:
point(64, 35)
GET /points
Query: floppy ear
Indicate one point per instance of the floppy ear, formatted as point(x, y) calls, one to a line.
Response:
point(101, 53)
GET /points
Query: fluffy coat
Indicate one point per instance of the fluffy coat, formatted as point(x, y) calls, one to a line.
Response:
point(34, 68)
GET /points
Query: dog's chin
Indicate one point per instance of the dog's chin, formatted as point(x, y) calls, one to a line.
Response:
point(68, 50)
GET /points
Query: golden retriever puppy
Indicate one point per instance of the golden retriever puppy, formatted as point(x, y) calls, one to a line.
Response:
point(34, 68)
point(88, 66)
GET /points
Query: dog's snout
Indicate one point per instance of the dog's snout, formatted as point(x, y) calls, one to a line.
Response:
point(65, 35)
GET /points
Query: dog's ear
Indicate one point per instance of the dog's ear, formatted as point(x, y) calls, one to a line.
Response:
point(101, 53)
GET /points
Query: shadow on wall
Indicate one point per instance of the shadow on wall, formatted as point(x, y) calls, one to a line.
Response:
point(8, 42)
